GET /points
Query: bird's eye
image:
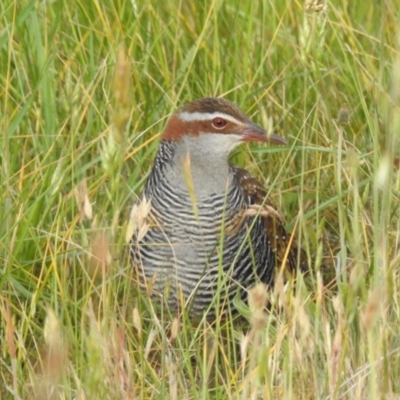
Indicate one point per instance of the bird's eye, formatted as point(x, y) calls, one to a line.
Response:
point(219, 123)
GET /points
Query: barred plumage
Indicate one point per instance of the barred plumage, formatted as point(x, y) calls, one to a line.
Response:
point(223, 244)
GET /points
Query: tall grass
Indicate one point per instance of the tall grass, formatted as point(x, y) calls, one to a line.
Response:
point(86, 88)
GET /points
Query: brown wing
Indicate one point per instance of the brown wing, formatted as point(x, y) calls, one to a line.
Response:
point(288, 254)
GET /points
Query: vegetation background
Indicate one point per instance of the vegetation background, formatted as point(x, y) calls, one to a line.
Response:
point(87, 86)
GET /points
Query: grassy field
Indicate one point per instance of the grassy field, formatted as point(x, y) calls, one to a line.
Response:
point(86, 89)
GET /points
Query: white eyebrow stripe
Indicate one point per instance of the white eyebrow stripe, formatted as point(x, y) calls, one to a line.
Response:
point(198, 116)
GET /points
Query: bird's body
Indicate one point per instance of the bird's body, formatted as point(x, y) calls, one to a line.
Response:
point(208, 229)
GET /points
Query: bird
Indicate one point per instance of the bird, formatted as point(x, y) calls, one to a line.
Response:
point(204, 228)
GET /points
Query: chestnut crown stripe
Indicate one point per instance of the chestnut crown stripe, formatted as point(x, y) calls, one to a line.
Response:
point(185, 116)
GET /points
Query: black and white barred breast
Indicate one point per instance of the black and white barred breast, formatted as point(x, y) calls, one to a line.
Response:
point(194, 253)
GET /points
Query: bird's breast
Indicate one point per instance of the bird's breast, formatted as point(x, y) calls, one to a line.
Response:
point(192, 240)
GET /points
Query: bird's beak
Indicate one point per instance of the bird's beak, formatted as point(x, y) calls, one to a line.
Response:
point(251, 132)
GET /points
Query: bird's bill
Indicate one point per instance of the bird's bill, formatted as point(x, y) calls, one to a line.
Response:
point(276, 139)
point(254, 133)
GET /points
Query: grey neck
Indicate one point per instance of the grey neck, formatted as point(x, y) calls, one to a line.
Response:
point(207, 162)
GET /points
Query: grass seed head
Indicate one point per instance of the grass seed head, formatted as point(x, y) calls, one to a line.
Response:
point(343, 117)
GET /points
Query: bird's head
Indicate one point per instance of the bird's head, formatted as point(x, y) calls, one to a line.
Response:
point(215, 125)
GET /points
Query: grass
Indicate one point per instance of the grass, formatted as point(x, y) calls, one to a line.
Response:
point(86, 88)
